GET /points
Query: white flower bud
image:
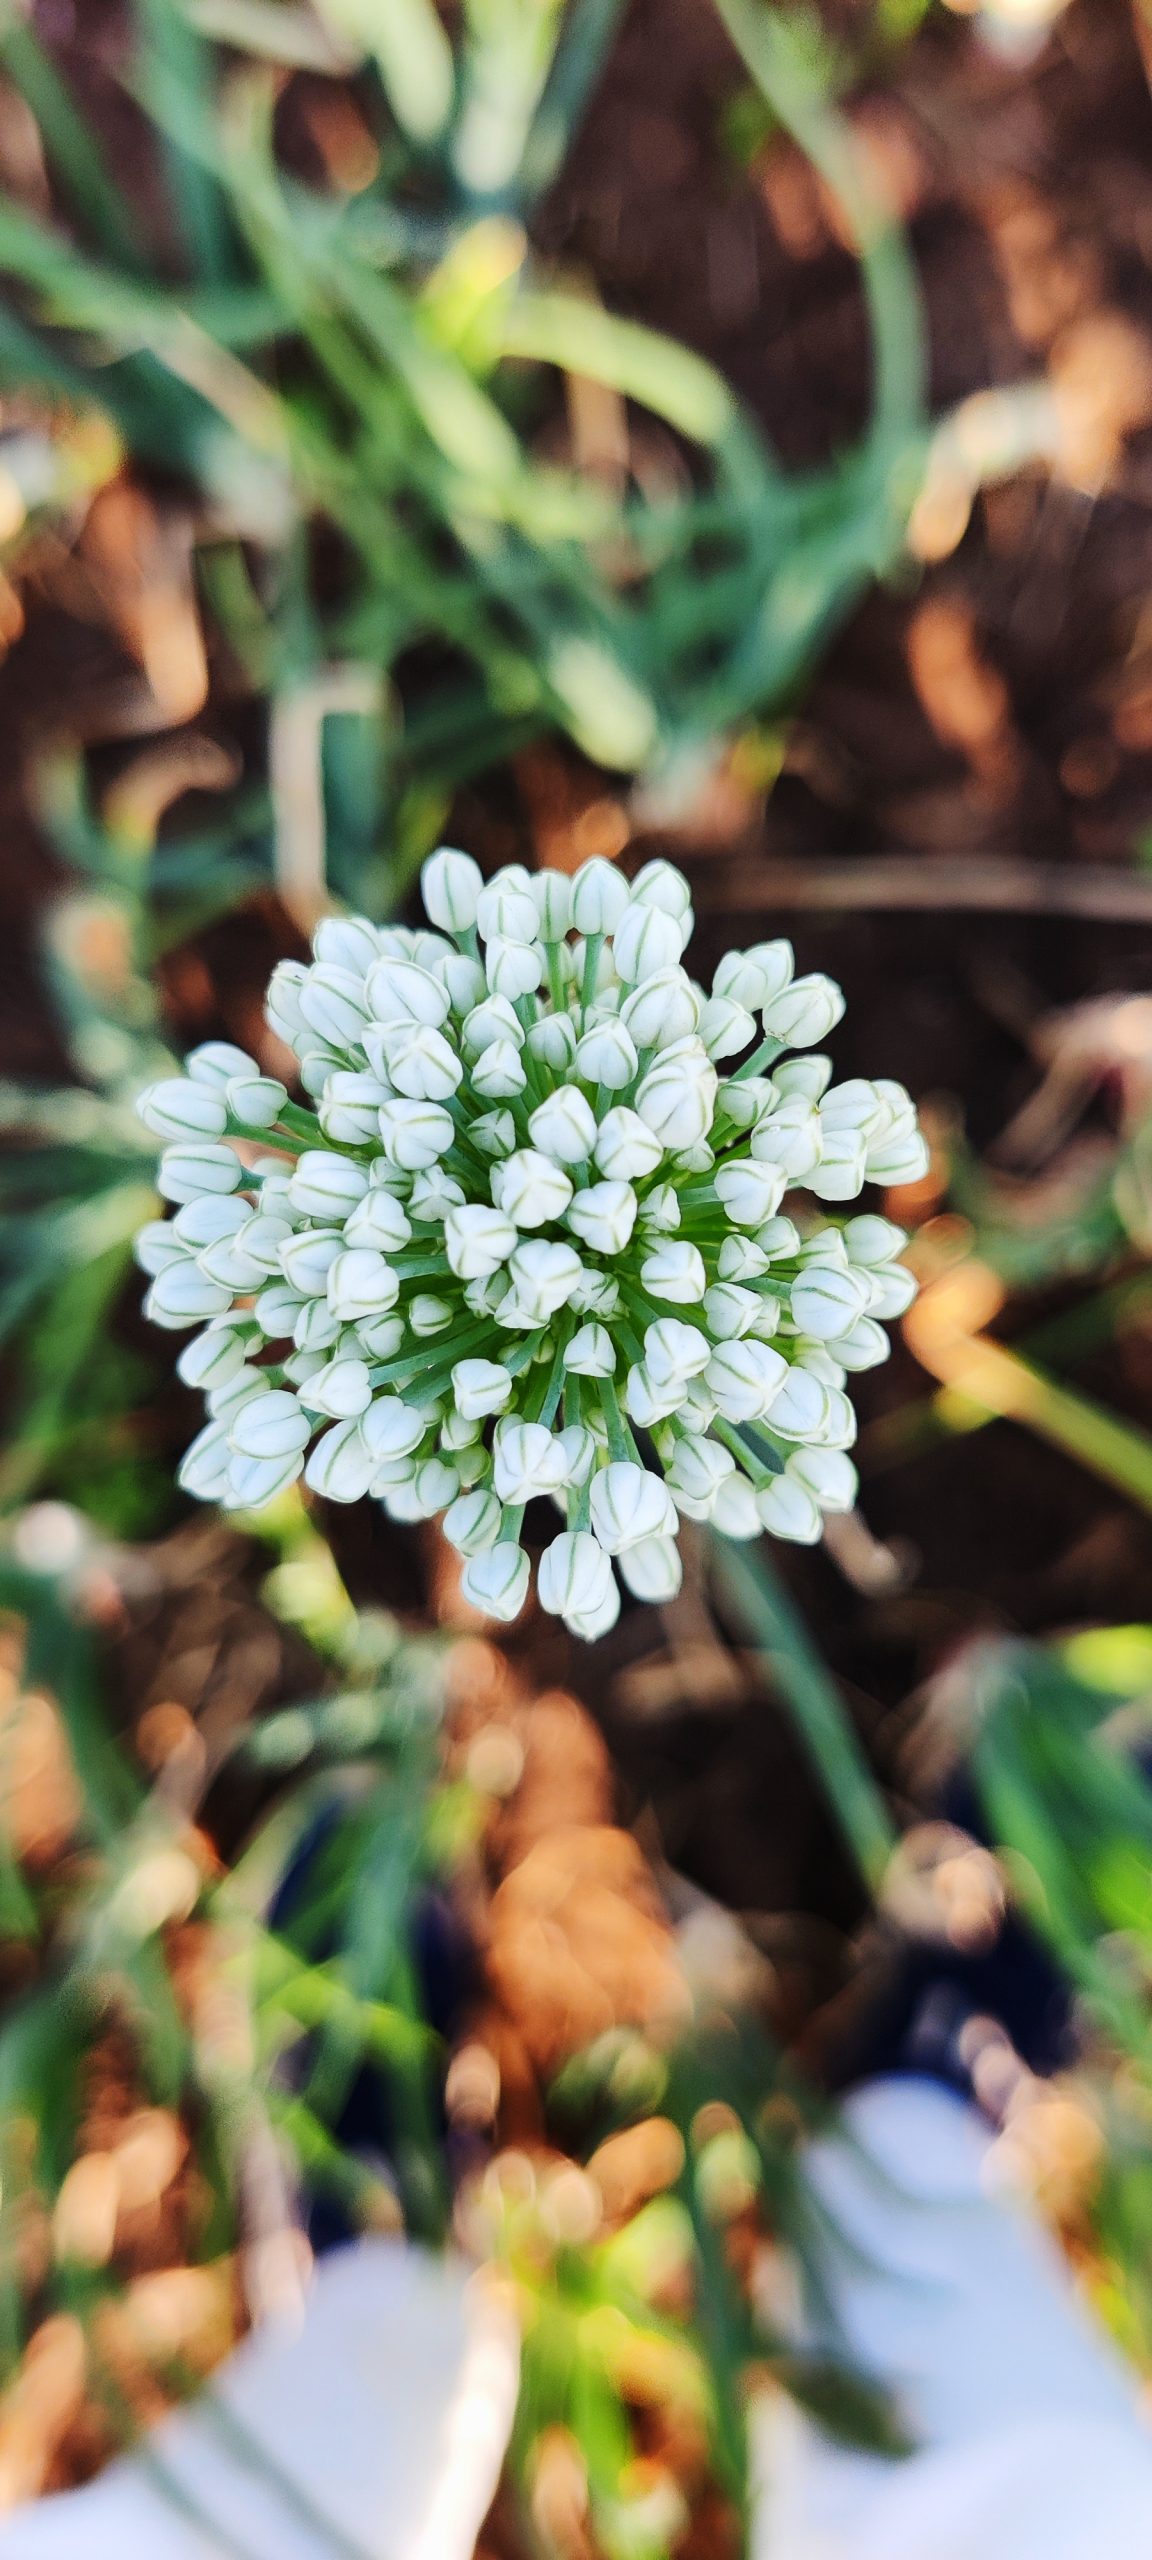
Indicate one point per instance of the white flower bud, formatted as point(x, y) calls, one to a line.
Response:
point(588, 1624)
point(480, 1387)
point(507, 910)
point(178, 1108)
point(855, 1104)
point(731, 1310)
point(807, 1077)
point(483, 1297)
point(779, 1239)
point(574, 1576)
point(400, 991)
point(224, 1401)
point(432, 1194)
point(564, 1127)
point(477, 1240)
point(212, 1356)
point(215, 1219)
point(665, 1007)
point(325, 1185)
point(420, 1062)
point(494, 1019)
point(158, 1246)
point(804, 1012)
point(378, 1221)
point(428, 1313)
point(827, 1474)
point(450, 886)
point(596, 1294)
point(316, 1328)
point(552, 1040)
point(361, 1282)
point(791, 1135)
point(897, 1151)
point(647, 1403)
point(318, 1064)
point(644, 941)
point(677, 1100)
point(580, 1448)
point(800, 1409)
point(391, 1429)
point(697, 1408)
point(493, 1134)
point(552, 891)
point(530, 1188)
point(750, 1192)
point(675, 1271)
point(184, 1295)
point(629, 1503)
point(725, 1027)
point(606, 1055)
point(215, 1062)
point(334, 1004)
point(745, 1378)
point(740, 1104)
point(893, 1288)
point(863, 1346)
point(465, 981)
point(753, 977)
point(697, 1467)
point(255, 1481)
point(414, 1135)
point(872, 1241)
point(342, 1390)
point(346, 942)
point(341, 1466)
point(652, 1569)
point(496, 1582)
point(203, 1471)
point(840, 1172)
point(740, 1259)
point(498, 1074)
point(282, 1002)
point(660, 1214)
point(277, 1310)
point(659, 884)
point(734, 1511)
point(626, 1148)
point(256, 1100)
point(586, 964)
point(600, 897)
point(472, 1524)
point(187, 1172)
point(430, 1488)
point(603, 1216)
point(590, 1353)
point(270, 1426)
point(675, 1352)
point(788, 1510)
point(514, 968)
point(233, 1263)
point(819, 1360)
point(307, 1259)
point(526, 1459)
point(825, 1301)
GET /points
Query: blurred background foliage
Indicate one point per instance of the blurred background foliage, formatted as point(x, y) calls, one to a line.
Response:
point(311, 399)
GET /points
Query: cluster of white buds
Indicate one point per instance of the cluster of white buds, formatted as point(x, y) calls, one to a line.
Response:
point(532, 1238)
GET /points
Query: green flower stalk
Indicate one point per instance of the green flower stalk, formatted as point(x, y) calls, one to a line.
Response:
point(554, 1225)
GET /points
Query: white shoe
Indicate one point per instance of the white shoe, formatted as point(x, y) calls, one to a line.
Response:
point(372, 2429)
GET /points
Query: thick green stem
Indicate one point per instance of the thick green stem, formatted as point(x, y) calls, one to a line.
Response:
point(750, 1586)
